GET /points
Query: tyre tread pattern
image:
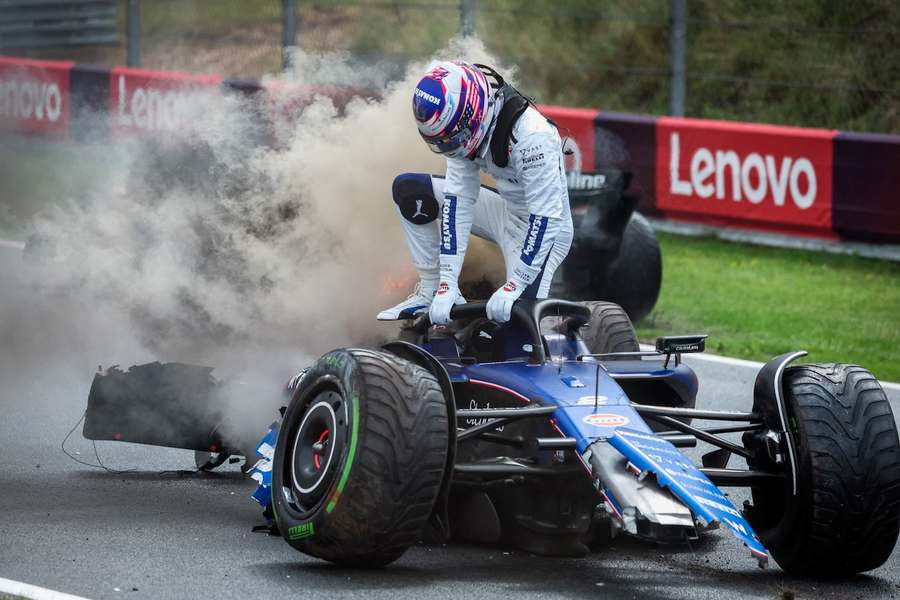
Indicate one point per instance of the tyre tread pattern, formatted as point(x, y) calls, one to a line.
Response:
point(609, 330)
point(398, 468)
point(849, 457)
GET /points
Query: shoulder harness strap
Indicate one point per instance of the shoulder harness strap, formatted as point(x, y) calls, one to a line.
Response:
point(514, 105)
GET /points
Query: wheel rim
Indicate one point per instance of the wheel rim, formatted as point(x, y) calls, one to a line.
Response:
point(315, 452)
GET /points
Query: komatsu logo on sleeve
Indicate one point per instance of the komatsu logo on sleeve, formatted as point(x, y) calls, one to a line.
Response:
point(536, 228)
point(448, 226)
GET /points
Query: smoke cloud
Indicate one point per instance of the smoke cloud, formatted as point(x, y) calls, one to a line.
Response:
point(202, 248)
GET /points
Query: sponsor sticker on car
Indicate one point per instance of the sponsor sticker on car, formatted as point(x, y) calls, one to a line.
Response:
point(606, 420)
point(591, 400)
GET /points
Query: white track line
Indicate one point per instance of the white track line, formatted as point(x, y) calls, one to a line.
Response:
point(12, 244)
point(17, 588)
point(752, 364)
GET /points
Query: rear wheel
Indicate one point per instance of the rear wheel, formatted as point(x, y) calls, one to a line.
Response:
point(609, 330)
point(360, 458)
point(845, 517)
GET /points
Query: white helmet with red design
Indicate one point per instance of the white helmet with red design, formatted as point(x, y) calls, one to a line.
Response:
point(454, 108)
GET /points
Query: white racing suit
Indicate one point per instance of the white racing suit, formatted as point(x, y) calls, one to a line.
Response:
point(527, 216)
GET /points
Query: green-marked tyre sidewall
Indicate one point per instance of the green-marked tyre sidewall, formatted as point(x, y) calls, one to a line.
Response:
point(331, 371)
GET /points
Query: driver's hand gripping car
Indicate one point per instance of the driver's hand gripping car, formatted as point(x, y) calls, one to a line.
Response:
point(479, 125)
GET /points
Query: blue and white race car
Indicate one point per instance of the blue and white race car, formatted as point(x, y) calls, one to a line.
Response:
point(553, 433)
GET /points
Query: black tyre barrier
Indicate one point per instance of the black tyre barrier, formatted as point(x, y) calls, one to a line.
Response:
point(615, 256)
point(634, 278)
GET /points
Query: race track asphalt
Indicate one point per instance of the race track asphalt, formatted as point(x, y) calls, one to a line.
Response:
point(159, 535)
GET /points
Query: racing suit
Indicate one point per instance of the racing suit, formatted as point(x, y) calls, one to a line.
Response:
point(527, 216)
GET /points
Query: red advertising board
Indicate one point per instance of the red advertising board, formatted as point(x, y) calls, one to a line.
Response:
point(286, 100)
point(34, 95)
point(764, 175)
point(577, 124)
point(147, 101)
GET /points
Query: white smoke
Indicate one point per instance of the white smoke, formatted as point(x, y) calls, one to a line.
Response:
point(195, 248)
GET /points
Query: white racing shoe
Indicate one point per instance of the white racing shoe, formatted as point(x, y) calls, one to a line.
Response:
point(417, 303)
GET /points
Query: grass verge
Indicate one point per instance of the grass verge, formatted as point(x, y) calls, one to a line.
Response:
point(757, 302)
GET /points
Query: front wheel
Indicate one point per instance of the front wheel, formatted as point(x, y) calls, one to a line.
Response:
point(360, 458)
point(845, 516)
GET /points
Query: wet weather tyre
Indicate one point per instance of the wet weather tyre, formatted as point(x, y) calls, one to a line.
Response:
point(359, 459)
point(846, 515)
point(634, 278)
point(609, 330)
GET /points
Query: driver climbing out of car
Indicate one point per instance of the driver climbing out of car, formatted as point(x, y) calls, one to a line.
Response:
point(482, 125)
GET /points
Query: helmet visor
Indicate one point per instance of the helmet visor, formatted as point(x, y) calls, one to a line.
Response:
point(451, 145)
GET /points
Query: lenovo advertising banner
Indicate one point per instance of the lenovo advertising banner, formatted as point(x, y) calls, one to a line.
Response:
point(738, 173)
point(780, 179)
point(34, 96)
point(576, 124)
point(157, 101)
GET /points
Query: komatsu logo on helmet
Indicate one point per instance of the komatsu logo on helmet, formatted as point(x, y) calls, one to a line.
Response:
point(426, 96)
point(428, 99)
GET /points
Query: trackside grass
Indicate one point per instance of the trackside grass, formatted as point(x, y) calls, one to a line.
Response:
point(757, 302)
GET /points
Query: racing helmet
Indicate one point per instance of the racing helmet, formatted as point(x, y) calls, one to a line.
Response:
point(454, 107)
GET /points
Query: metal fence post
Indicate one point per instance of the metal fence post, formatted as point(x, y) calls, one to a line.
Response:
point(288, 33)
point(677, 56)
point(133, 34)
point(467, 18)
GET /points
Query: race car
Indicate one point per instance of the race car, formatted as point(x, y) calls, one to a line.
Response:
point(554, 433)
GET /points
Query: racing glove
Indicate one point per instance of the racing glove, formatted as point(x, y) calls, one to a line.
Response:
point(499, 307)
point(538, 240)
point(445, 298)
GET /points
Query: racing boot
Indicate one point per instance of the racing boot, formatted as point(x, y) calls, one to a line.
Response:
point(417, 302)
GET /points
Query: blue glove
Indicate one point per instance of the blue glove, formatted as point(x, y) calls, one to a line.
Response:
point(446, 296)
point(499, 307)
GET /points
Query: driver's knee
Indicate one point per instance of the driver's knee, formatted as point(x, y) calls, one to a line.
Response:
point(414, 196)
